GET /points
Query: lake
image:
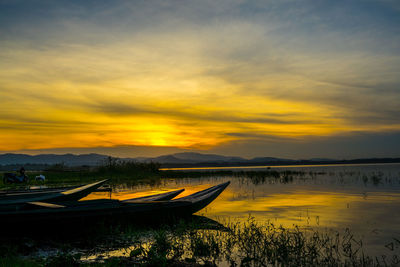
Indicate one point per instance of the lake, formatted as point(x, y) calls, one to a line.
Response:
point(363, 198)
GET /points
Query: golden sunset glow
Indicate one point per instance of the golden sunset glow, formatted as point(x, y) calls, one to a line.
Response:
point(78, 82)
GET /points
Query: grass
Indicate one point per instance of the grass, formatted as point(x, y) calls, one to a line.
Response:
point(133, 173)
point(246, 244)
point(239, 244)
point(128, 172)
point(256, 177)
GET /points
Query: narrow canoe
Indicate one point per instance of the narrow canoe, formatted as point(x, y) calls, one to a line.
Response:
point(5, 193)
point(29, 193)
point(157, 197)
point(53, 196)
point(137, 209)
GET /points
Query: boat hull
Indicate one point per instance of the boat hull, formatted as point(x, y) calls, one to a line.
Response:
point(135, 210)
point(17, 201)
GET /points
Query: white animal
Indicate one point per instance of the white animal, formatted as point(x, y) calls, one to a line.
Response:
point(40, 177)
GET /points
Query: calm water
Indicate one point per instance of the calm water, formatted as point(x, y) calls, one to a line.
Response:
point(363, 198)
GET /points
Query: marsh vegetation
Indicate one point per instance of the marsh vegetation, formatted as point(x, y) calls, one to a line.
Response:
point(192, 244)
point(299, 217)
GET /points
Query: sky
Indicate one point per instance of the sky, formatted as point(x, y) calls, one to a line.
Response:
point(284, 78)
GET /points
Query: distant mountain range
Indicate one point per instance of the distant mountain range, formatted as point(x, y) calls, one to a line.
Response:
point(187, 159)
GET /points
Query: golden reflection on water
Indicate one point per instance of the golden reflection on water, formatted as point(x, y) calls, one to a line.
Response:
point(297, 206)
point(307, 209)
point(372, 213)
point(303, 208)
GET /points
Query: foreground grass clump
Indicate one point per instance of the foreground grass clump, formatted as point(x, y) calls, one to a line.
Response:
point(251, 244)
point(240, 244)
point(246, 244)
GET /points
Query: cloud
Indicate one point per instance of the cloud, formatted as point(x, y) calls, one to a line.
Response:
point(346, 146)
point(205, 72)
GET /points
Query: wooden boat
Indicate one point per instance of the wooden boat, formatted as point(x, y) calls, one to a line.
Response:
point(26, 199)
point(157, 197)
point(10, 192)
point(138, 209)
point(74, 193)
point(40, 189)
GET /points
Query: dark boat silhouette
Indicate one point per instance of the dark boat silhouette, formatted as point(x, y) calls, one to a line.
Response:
point(138, 209)
point(54, 195)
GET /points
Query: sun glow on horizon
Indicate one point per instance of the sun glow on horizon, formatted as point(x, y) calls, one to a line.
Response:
point(189, 80)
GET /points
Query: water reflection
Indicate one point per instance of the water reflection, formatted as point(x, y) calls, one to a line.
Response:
point(365, 199)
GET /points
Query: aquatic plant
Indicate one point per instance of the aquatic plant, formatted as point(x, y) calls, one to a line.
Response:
point(236, 244)
point(253, 244)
